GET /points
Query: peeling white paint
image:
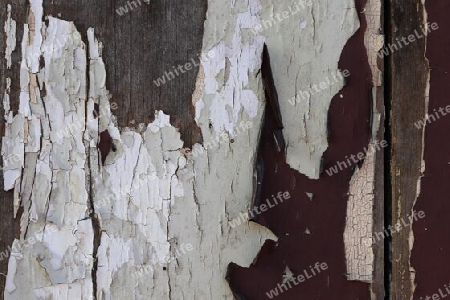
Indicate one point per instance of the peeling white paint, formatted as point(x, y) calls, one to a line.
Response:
point(35, 27)
point(234, 55)
point(359, 222)
point(160, 196)
point(10, 31)
point(300, 57)
point(58, 263)
point(373, 39)
point(358, 234)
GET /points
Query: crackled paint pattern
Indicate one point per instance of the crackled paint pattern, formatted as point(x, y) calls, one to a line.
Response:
point(359, 223)
point(150, 196)
point(104, 223)
point(358, 234)
point(53, 257)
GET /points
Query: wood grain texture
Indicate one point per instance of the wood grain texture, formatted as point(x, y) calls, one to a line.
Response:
point(140, 46)
point(409, 73)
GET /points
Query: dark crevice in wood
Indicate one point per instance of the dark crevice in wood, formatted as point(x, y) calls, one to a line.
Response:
point(271, 94)
point(97, 234)
point(387, 152)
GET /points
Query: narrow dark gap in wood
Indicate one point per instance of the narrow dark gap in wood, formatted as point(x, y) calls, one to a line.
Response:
point(386, 13)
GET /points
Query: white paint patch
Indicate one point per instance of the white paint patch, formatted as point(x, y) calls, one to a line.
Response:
point(373, 40)
point(302, 56)
point(226, 84)
point(133, 192)
point(10, 31)
point(33, 49)
point(149, 195)
point(358, 234)
point(54, 187)
point(358, 231)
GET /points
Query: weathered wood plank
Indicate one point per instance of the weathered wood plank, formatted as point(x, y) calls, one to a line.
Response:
point(140, 47)
point(408, 94)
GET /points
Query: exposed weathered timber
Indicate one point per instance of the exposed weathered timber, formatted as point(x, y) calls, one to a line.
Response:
point(430, 253)
point(146, 43)
point(409, 100)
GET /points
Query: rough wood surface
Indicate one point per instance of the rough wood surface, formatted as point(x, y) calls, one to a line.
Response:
point(409, 98)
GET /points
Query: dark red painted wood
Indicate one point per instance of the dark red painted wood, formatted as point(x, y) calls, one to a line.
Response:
point(324, 216)
point(431, 251)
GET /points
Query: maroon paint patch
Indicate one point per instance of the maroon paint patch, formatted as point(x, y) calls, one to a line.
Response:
point(311, 231)
point(105, 145)
point(430, 255)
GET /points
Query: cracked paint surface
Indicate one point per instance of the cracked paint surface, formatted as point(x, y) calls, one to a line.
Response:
point(55, 248)
point(149, 194)
point(96, 223)
point(359, 222)
point(358, 234)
